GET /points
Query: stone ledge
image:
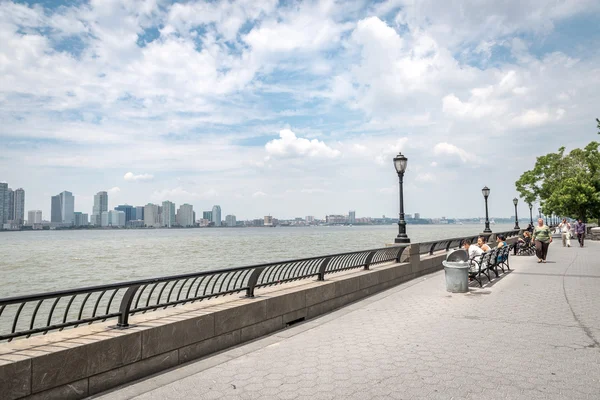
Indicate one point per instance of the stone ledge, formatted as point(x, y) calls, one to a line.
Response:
point(88, 360)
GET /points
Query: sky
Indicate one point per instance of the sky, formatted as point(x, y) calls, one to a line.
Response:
point(293, 108)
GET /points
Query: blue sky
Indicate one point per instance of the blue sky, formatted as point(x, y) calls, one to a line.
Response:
point(292, 108)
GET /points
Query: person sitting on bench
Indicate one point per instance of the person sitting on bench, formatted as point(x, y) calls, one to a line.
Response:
point(473, 251)
point(481, 242)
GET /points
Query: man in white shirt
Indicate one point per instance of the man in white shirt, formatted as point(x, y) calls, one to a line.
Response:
point(565, 232)
point(473, 251)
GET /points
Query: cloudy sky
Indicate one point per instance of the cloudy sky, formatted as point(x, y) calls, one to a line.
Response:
point(292, 108)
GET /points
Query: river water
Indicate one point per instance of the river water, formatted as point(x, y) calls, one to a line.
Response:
point(41, 261)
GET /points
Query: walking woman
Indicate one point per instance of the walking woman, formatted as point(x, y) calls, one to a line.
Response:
point(543, 237)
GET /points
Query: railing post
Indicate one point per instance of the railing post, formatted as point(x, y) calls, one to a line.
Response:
point(253, 281)
point(125, 306)
point(322, 268)
point(369, 259)
point(431, 249)
point(400, 251)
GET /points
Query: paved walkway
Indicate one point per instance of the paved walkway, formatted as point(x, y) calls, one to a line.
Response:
point(534, 334)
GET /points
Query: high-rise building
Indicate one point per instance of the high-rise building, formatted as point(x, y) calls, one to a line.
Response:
point(230, 220)
point(67, 207)
point(151, 217)
point(11, 206)
point(168, 214)
point(207, 215)
point(117, 218)
point(56, 210)
point(3, 204)
point(19, 206)
point(139, 213)
point(216, 215)
point(104, 219)
point(417, 216)
point(100, 205)
point(268, 220)
point(352, 217)
point(310, 219)
point(130, 211)
point(185, 215)
point(81, 219)
point(34, 217)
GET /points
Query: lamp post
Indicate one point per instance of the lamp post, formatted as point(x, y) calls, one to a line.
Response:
point(515, 202)
point(486, 193)
point(400, 165)
point(531, 214)
point(540, 212)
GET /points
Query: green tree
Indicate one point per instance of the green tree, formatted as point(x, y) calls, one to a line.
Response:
point(566, 185)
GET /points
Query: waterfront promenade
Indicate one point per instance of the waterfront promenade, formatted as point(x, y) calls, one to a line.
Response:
point(534, 334)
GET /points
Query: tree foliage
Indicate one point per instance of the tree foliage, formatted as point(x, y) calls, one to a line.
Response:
point(598, 121)
point(565, 184)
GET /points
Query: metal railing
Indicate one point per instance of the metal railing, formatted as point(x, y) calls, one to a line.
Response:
point(41, 313)
point(447, 244)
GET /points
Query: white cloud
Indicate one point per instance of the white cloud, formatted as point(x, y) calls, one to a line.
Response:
point(258, 194)
point(425, 177)
point(130, 176)
point(449, 150)
point(288, 145)
point(114, 190)
point(387, 154)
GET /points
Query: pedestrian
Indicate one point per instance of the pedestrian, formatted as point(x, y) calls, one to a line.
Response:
point(565, 232)
point(580, 231)
point(542, 237)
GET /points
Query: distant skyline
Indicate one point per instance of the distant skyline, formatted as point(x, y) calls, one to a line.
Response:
point(292, 108)
point(102, 202)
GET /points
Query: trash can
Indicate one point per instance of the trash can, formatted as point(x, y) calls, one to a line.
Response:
point(456, 268)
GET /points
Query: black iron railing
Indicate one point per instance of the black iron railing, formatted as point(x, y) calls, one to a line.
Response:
point(447, 244)
point(40, 313)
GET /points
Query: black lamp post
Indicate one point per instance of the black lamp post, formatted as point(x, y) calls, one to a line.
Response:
point(400, 165)
point(486, 193)
point(515, 202)
point(531, 214)
point(540, 212)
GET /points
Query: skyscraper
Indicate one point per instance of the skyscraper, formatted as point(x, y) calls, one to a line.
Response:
point(168, 214)
point(151, 215)
point(55, 210)
point(81, 219)
point(19, 206)
point(130, 211)
point(100, 205)
point(67, 207)
point(34, 217)
point(352, 217)
point(3, 204)
point(185, 215)
point(207, 215)
point(11, 205)
point(216, 215)
point(139, 212)
point(230, 220)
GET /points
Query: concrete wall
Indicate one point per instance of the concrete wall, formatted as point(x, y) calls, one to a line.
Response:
point(87, 360)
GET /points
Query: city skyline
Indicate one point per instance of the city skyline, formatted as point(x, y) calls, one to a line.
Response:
point(292, 108)
point(185, 214)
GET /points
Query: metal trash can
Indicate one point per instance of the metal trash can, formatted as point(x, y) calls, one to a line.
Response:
point(456, 268)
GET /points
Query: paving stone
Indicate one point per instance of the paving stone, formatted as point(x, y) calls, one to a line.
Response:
point(534, 333)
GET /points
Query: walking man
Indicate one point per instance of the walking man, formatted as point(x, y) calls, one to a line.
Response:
point(565, 232)
point(580, 231)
